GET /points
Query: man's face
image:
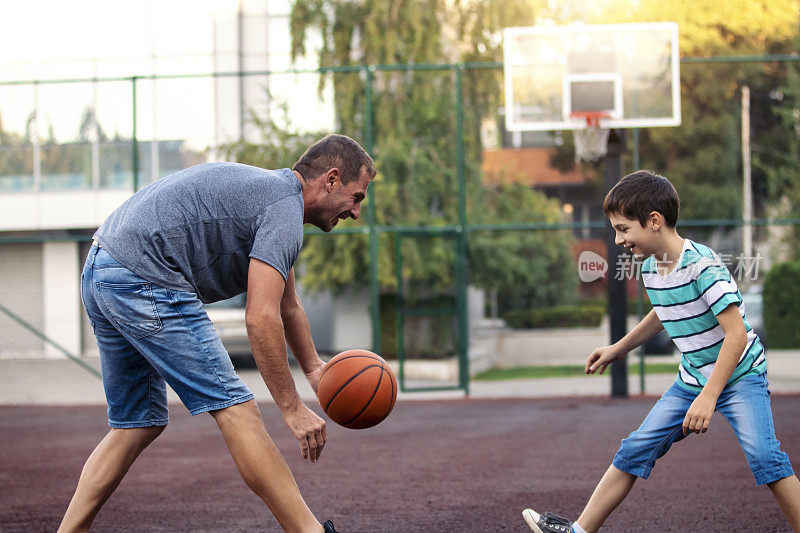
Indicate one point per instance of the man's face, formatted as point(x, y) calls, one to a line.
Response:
point(342, 201)
point(630, 234)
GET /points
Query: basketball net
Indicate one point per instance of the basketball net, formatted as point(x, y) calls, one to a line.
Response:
point(591, 142)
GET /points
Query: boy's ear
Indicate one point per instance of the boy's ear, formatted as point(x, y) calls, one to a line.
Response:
point(655, 220)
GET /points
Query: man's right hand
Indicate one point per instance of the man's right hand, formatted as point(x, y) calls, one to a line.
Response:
point(602, 357)
point(308, 429)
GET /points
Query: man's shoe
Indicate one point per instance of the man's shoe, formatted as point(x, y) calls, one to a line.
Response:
point(328, 525)
point(549, 523)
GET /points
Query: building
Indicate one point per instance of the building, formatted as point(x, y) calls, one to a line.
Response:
point(101, 100)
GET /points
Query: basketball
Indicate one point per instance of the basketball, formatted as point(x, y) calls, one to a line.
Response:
point(357, 389)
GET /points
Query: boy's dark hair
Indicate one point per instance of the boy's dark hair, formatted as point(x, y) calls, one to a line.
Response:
point(335, 151)
point(639, 194)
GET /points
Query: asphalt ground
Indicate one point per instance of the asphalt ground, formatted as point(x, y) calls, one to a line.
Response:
point(433, 465)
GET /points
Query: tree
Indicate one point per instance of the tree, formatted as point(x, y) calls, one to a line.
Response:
point(703, 156)
point(15, 159)
point(783, 177)
point(415, 145)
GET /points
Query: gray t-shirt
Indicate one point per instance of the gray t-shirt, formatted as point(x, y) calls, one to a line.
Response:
point(196, 230)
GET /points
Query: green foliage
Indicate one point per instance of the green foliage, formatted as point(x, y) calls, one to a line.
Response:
point(414, 117)
point(16, 157)
point(703, 156)
point(563, 316)
point(426, 337)
point(781, 312)
point(526, 268)
point(781, 164)
point(280, 147)
point(69, 164)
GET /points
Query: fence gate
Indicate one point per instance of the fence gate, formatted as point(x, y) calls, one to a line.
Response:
point(431, 314)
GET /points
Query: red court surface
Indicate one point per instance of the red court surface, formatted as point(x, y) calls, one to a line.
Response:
point(461, 465)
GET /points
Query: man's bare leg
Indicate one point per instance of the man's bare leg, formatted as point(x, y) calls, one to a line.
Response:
point(787, 493)
point(102, 473)
point(263, 467)
point(609, 493)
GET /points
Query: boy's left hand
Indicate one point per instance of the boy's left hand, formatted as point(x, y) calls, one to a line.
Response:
point(698, 417)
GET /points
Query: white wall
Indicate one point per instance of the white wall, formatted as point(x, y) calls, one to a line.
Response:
point(57, 210)
point(351, 321)
point(61, 286)
point(21, 293)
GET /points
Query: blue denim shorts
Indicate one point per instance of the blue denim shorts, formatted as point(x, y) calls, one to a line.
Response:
point(746, 407)
point(149, 336)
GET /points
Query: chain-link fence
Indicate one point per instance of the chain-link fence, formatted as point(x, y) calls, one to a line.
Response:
point(467, 256)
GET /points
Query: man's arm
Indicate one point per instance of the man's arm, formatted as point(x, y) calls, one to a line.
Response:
point(643, 332)
point(298, 333)
point(265, 287)
point(698, 417)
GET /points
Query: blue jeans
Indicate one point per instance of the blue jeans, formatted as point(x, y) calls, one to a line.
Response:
point(149, 336)
point(746, 407)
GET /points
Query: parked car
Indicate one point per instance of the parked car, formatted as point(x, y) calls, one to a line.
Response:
point(228, 319)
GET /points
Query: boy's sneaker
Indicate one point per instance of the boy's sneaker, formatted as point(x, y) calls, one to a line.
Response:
point(547, 523)
point(328, 526)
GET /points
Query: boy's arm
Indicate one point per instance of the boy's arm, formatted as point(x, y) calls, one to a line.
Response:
point(643, 332)
point(698, 417)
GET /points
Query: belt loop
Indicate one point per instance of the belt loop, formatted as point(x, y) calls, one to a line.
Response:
point(93, 252)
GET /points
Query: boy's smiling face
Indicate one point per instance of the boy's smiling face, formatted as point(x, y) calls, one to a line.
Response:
point(640, 240)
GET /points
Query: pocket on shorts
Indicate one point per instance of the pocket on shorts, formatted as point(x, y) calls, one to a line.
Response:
point(131, 307)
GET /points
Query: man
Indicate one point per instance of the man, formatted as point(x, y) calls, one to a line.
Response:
point(200, 235)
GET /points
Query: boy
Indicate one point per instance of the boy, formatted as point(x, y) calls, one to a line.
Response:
point(723, 365)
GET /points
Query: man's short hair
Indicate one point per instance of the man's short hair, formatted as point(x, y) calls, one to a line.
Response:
point(335, 151)
point(639, 194)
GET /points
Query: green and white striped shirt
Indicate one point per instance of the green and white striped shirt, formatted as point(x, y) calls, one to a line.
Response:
point(687, 301)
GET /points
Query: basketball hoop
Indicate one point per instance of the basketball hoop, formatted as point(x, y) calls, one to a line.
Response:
point(591, 142)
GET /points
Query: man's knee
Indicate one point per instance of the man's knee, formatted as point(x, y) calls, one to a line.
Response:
point(239, 411)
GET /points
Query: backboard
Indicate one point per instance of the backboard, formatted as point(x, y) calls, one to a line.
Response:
point(629, 72)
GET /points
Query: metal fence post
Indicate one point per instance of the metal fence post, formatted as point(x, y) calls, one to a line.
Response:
point(462, 339)
point(374, 288)
point(617, 298)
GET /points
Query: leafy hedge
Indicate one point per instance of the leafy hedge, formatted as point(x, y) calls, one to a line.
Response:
point(781, 311)
point(426, 337)
point(563, 316)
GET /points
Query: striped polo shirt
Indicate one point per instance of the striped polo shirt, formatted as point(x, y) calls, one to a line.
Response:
point(687, 301)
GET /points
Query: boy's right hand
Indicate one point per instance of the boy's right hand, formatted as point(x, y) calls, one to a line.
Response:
point(602, 357)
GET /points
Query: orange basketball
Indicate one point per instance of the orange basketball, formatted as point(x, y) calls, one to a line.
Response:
point(357, 389)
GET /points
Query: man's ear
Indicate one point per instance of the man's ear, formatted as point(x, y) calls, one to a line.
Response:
point(331, 177)
point(656, 220)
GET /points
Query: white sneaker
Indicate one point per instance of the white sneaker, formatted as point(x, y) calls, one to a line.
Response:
point(549, 523)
